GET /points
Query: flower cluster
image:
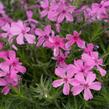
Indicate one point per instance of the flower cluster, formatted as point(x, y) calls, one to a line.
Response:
point(10, 70)
point(57, 10)
point(60, 10)
point(97, 11)
point(78, 76)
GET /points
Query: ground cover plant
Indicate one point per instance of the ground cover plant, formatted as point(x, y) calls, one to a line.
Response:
point(54, 54)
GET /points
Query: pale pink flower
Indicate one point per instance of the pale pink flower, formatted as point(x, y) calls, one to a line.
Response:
point(5, 20)
point(89, 48)
point(2, 11)
point(60, 59)
point(6, 32)
point(29, 14)
point(45, 5)
point(22, 32)
point(1, 45)
point(65, 11)
point(98, 11)
point(58, 27)
point(95, 61)
point(65, 76)
point(74, 38)
point(85, 84)
point(80, 66)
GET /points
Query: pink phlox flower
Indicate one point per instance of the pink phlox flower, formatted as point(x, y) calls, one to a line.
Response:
point(56, 43)
point(65, 76)
point(89, 48)
point(65, 11)
point(29, 14)
point(49, 9)
point(5, 20)
point(60, 59)
point(11, 64)
point(98, 11)
point(22, 32)
point(74, 38)
point(43, 35)
point(85, 84)
point(57, 10)
point(58, 27)
point(10, 70)
point(7, 32)
point(80, 66)
point(95, 61)
point(45, 5)
point(2, 11)
point(8, 82)
point(1, 45)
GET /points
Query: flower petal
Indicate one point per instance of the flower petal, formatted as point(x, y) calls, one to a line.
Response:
point(66, 89)
point(60, 72)
point(87, 94)
point(77, 90)
point(95, 86)
point(90, 78)
point(57, 83)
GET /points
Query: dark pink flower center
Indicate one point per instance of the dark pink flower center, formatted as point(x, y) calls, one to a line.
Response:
point(61, 59)
point(76, 38)
point(64, 11)
point(65, 80)
point(82, 70)
point(46, 37)
point(100, 6)
point(86, 86)
point(23, 31)
point(14, 64)
point(57, 43)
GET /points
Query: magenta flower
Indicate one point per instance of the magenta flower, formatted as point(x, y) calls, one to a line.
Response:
point(8, 82)
point(22, 32)
point(11, 64)
point(65, 76)
point(56, 43)
point(10, 70)
point(74, 38)
point(85, 84)
point(43, 35)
